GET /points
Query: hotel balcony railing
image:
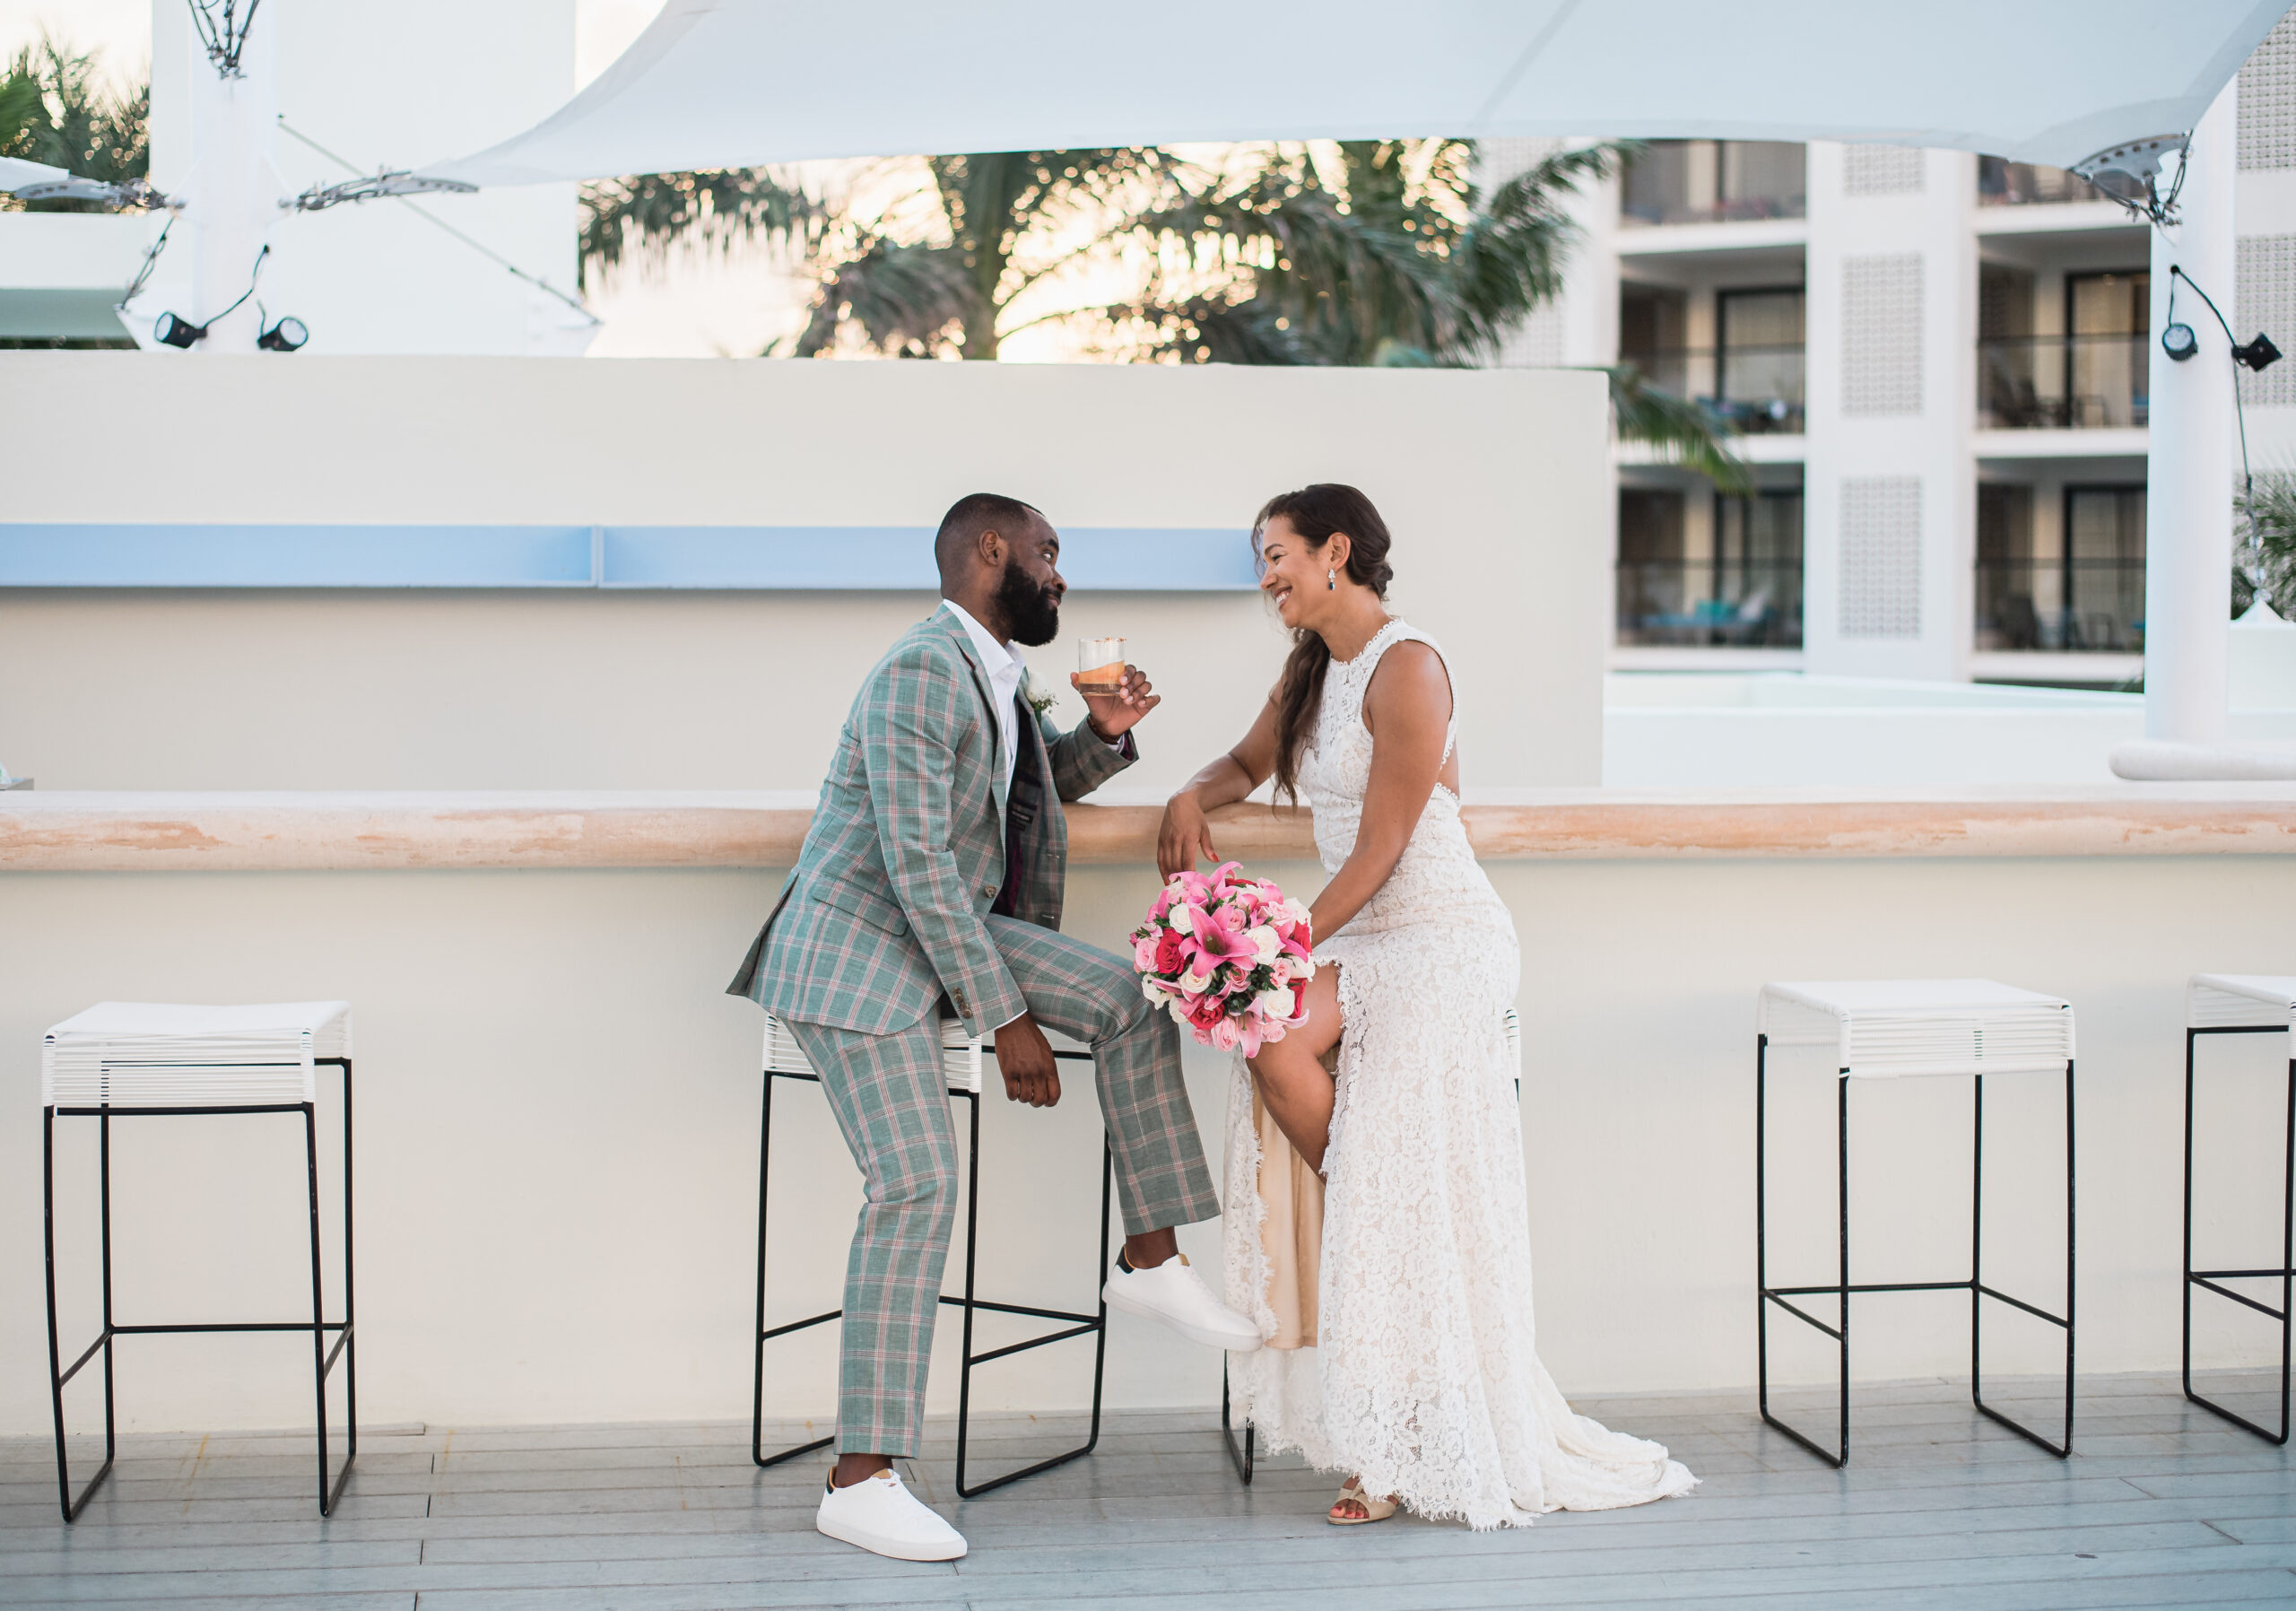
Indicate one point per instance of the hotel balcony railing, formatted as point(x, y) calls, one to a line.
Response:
point(1756, 389)
point(1709, 604)
point(1751, 179)
point(2000, 183)
point(2093, 606)
point(2063, 382)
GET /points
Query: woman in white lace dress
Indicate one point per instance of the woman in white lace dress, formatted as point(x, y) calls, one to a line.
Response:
point(1376, 1219)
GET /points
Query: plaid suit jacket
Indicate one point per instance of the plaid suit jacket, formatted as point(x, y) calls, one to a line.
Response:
point(884, 913)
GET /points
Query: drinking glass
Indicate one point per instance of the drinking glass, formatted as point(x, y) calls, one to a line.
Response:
point(1099, 665)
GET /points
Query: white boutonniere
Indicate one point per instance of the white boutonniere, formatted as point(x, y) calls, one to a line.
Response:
point(1040, 697)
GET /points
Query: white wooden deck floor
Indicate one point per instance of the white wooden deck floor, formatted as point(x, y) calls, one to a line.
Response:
point(2161, 1505)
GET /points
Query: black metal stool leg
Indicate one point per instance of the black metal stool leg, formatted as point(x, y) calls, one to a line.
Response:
point(57, 1376)
point(1841, 1179)
point(322, 1358)
point(762, 1336)
point(1079, 1324)
point(1240, 1457)
point(350, 1343)
point(1979, 1292)
point(2210, 1279)
point(1765, 1294)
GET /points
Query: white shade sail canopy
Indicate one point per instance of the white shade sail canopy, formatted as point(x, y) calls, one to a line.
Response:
point(732, 83)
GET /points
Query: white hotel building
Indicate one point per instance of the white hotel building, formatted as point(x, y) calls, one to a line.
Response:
point(1939, 363)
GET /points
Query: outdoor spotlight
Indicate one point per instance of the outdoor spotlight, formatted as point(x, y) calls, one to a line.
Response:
point(284, 337)
point(2258, 354)
point(2179, 343)
point(172, 331)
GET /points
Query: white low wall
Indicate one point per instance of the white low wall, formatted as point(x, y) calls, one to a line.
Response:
point(746, 690)
point(557, 1134)
point(1690, 730)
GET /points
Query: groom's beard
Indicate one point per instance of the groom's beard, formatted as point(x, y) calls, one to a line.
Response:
point(1031, 609)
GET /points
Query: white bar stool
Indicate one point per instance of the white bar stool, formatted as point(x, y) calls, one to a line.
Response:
point(1242, 1457)
point(1889, 1029)
point(961, 1059)
point(122, 1059)
point(2243, 1003)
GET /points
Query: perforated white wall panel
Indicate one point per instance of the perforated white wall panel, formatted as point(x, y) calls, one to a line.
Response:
point(1537, 342)
point(1880, 169)
point(2269, 100)
point(2266, 300)
point(1881, 556)
point(1881, 334)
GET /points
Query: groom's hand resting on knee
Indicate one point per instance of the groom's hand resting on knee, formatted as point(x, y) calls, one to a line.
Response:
point(1024, 1058)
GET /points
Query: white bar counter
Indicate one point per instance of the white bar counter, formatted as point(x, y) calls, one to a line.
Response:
point(558, 1105)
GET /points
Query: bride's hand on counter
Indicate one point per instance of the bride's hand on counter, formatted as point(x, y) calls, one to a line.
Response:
point(1185, 835)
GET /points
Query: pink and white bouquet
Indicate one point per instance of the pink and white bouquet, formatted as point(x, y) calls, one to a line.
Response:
point(1226, 956)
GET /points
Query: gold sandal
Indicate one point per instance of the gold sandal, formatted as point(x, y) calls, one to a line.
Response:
point(1375, 1510)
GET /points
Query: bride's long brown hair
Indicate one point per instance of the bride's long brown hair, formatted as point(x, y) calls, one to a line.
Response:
point(1315, 512)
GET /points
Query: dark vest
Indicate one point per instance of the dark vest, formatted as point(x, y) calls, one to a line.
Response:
point(1022, 802)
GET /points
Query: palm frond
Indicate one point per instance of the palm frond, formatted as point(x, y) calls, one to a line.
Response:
point(1510, 257)
point(2264, 543)
point(909, 300)
point(55, 109)
point(645, 215)
point(1684, 431)
point(1342, 279)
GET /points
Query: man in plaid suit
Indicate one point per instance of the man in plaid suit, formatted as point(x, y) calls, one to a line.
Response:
point(930, 882)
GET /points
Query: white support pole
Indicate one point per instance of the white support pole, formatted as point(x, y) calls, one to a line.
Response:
point(234, 193)
point(2188, 497)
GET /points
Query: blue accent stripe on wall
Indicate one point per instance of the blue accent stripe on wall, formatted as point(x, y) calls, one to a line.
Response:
point(777, 558)
point(294, 556)
point(1109, 558)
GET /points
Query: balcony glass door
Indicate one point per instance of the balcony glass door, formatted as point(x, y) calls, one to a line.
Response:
point(2106, 320)
point(2104, 567)
point(1758, 342)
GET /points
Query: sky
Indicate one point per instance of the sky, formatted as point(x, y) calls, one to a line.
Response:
point(703, 304)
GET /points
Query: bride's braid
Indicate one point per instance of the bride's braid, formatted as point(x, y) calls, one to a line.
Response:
point(1315, 512)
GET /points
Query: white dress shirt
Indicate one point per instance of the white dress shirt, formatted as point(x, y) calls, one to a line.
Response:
point(1005, 668)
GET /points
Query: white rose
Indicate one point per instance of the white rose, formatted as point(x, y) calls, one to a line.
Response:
point(1196, 984)
point(1294, 912)
point(1181, 916)
point(1265, 947)
point(1275, 1003)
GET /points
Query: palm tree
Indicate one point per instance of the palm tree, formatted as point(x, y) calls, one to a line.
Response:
point(1370, 252)
point(53, 109)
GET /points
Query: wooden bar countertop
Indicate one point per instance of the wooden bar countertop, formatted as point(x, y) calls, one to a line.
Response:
point(65, 831)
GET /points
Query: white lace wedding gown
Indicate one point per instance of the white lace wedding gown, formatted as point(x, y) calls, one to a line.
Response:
point(1424, 1378)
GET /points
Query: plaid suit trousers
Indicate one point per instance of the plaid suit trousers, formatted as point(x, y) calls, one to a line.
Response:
point(891, 1099)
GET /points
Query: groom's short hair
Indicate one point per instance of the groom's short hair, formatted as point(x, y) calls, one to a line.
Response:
point(973, 514)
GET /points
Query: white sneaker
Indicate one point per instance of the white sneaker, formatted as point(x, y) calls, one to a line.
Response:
point(1173, 1293)
point(880, 1514)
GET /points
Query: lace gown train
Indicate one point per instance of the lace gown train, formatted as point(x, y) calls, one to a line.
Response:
point(1407, 1353)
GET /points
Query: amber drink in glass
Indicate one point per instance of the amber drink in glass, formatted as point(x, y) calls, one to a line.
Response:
point(1099, 665)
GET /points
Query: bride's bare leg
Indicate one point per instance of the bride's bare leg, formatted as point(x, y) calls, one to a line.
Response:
point(1291, 1075)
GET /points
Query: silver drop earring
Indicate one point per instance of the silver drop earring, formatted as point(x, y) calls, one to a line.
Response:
point(1331, 581)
